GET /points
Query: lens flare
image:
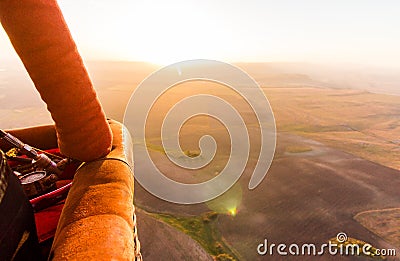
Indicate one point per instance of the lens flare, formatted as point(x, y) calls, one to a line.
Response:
point(232, 211)
point(229, 202)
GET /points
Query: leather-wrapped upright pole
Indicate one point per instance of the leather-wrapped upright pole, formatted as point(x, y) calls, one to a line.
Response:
point(41, 38)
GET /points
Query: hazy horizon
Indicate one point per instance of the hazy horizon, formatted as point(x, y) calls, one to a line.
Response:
point(342, 76)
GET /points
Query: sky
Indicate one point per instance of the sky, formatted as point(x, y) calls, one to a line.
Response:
point(162, 32)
